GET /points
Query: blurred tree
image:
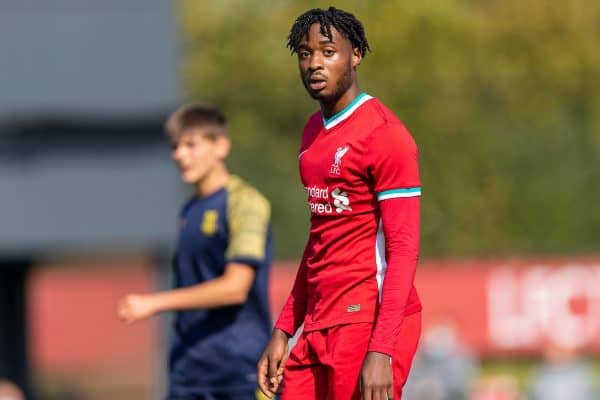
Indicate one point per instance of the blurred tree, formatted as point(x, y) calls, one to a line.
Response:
point(501, 96)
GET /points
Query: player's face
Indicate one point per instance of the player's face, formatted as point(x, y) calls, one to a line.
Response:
point(327, 67)
point(198, 155)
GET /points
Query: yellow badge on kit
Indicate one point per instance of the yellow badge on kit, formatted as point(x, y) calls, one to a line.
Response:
point(209, 222)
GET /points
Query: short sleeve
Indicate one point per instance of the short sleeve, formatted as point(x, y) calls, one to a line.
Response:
point(392, 162)
point(249, 214)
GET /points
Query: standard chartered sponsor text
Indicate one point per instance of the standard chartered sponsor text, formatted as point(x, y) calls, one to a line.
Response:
point(320, 208)
point(318, 200)
point(316, 192)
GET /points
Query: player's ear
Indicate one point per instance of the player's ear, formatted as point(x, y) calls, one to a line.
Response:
point(223, 146)
point(356, 57)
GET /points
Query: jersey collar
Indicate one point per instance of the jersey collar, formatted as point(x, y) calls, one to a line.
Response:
point(346, 111)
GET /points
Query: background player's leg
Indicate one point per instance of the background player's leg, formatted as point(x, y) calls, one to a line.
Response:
point(406, 348)
point(304, 377)
point(249, 394)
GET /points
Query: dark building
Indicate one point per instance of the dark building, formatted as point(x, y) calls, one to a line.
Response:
point(84, 89)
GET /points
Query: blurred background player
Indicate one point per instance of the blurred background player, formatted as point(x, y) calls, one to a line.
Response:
point(10, 391)
point(444, 368)
point(221, 265)
point(354, 288)
point(562, 375)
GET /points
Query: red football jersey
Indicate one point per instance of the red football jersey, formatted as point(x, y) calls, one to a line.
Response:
point(349, 164)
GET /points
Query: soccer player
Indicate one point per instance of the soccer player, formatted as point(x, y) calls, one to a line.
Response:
point(354, 289)
point(221, 265)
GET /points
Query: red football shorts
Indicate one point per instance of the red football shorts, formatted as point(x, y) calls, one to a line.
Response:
point(326, 364)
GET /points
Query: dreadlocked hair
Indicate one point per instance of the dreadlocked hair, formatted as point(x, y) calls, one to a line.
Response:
point(344, 22)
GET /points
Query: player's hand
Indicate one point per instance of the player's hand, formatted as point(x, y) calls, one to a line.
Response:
point(135, 307)
point(376, 378)
point(271, 364)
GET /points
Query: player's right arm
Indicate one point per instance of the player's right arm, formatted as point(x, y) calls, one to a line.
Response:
point(271, 364)
point(293, 312)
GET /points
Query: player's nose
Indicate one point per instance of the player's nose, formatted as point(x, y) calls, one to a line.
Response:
point(177, 153)
point(315, 61)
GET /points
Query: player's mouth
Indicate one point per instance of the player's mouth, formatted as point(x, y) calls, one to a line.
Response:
point(188, 174)
point(316, 83)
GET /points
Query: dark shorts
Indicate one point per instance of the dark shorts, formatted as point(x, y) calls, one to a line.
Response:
point(238, 395)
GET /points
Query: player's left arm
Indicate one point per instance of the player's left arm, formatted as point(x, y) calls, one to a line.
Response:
point(248, 229)
point(400, 219)
point(396, 181)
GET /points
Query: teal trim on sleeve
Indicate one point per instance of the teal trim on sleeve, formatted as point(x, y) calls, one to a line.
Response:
point(394, 193)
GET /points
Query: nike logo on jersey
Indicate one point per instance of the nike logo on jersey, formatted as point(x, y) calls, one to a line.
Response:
point(353, 308)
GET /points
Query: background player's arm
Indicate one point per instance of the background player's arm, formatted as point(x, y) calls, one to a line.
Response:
point(229, 289)
point(249, 214)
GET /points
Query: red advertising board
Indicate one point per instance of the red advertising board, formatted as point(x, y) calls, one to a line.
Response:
point(499, 308)
point(503, 307)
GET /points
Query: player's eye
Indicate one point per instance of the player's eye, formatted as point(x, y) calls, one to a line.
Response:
point(188, 144)
point(303, 54)
point(328, 52)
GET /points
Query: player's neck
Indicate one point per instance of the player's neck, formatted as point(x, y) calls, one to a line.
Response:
point(214, 181)
point(329, 109)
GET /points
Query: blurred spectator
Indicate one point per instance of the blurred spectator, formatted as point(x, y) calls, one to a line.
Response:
point(563, 375)
point(10, 391)
point(498, 387)
point(443, 368)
